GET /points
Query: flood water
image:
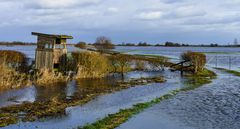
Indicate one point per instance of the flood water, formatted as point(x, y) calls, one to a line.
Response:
point(66, 90)
point(224, 57)
point(215, 105)
point(105, 104)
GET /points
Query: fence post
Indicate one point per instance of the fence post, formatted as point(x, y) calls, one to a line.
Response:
point(182, 69)
point(216, 61)
point(230, 62)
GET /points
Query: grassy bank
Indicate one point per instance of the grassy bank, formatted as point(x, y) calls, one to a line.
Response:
point(47, 78)
point(114, 120)
point(236, 73)
point(10, 78)
point(57, 106)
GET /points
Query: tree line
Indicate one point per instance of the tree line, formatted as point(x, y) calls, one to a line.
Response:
point(16, 43)
point(106, 42)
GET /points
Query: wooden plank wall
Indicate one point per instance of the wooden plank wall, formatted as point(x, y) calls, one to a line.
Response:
point(44, 59)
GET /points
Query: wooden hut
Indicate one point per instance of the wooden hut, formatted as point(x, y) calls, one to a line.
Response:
point(51, 51)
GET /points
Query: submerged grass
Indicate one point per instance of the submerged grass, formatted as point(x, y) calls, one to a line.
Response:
point(7, 119)
point(236, 73)
point(114, 120)
point(203, 77)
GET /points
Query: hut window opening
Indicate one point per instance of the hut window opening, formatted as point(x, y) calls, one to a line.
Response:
point(58, 41)
point(56, 66)
point(48, 45)
point(59, 46)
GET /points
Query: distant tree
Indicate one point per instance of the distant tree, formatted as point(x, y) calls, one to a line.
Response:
point(171, 44)
point(185, 44)
point(130, 44)
point(103, 43)
point(143, 44)
point(81, 45)
point(213, 45)
point(158, 45)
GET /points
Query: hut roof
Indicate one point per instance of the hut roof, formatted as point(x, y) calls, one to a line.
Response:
point(53, 35)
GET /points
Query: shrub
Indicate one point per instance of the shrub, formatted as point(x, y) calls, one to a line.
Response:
point(13, 59)
point(196, 59)
point(120, 63)
point(139, 65)
point(123, 62)
point(81, 45)
point(114, 63)
point(91, 64)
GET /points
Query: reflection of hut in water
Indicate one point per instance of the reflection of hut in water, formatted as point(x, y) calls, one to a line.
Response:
point(51, 51)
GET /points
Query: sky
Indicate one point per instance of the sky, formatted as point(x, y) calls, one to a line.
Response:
point(152, 21)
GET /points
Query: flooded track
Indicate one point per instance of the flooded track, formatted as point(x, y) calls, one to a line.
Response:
point(213, 106)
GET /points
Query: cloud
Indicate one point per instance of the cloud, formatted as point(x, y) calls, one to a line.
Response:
point(57, 4)
point(113, 10)
point(122, 16)
point(151, 15)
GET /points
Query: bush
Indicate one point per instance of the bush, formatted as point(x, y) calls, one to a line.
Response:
point(91, 64)
point(13, 59)
point(140, 65)
point(123, 61)
point(81, 45)
point(196, 59)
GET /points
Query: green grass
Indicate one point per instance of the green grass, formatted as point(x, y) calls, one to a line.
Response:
point(114, 120)
point(236, 73)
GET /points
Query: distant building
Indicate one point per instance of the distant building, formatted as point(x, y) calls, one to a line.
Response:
point(51, 51)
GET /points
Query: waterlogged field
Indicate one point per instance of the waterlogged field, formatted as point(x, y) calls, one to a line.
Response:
point(103, 105)
point(224, 57)
point(215, 105)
